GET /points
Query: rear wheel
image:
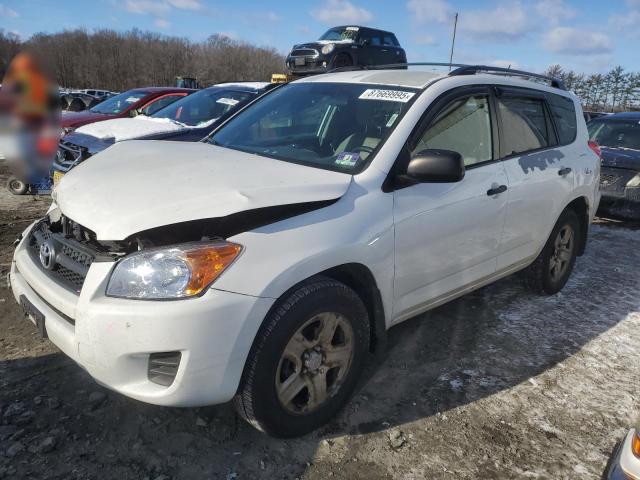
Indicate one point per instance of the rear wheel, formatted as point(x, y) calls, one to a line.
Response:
point(306, 359)
point(17, 186)
point(553, 266)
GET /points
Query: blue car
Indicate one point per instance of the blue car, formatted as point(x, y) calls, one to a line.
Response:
point(618, 137)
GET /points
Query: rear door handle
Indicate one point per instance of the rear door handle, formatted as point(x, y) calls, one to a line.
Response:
point(564, 171)
point(497, 190)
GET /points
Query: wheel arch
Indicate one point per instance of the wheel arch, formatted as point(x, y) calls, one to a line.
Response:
point(360, 279)
point(580, 206)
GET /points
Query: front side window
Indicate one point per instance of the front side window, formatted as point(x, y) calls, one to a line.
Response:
point(525, 124)
point(623, 134)
point(463, 126)
point(203, 107)
point(334, 126)
point(119, 103)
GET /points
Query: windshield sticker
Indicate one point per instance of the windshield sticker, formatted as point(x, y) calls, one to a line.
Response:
point(132, 99)
point(353, 29)
point(388, 95)
point(228, 101)
point(392, 120)
point(347, 159)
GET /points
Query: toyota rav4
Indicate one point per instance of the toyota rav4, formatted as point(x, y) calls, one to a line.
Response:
point(270, 262)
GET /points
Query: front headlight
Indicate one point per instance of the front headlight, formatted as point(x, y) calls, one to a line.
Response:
point(635, 181)
point(327, 49)
point(175, 272)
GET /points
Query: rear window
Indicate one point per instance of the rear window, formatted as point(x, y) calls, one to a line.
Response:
point(564, 116)
point(525, 125)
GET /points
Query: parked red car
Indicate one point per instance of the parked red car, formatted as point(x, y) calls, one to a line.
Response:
point(139, 100)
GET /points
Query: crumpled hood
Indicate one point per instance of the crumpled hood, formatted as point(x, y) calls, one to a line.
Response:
point(620, 158)
point(138, 185)
point(120, 129)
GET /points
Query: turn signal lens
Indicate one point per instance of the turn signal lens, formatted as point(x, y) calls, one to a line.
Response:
point(207, 264)
point(635, 444)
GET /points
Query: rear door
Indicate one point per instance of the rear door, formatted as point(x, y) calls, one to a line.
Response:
point(448, 234)
point(540, 173)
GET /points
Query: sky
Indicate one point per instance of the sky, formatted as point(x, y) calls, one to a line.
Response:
point(588, 36)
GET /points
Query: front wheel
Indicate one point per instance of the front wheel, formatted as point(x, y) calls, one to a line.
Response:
point(551, 269)
point(342, 60)
point(17, 186)
point(306, 359)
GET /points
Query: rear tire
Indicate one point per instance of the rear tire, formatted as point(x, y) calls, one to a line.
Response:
point(17, 186)
point(306, 359)
point(550, 271)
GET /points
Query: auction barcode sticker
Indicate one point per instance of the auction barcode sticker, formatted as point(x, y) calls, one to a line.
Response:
point(389, 95)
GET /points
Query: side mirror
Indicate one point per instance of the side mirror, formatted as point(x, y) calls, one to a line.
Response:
point(134, 112)
point(364, 42)
point(438, 166)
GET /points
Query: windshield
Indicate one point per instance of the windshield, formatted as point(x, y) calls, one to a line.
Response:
point(119, 102)
point(336, 126)
point(203, 107)
point(616, 133)
point(346, 33)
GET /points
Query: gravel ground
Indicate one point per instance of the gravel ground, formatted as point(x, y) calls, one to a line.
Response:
point(498, 384)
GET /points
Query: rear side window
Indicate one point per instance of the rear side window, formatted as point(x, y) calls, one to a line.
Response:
point(564, 116)
point(526, 125)
point(389, 40)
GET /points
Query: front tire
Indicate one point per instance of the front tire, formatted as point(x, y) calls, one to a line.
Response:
point(306, 359)
point(550, 271)
point(17, 186)
point(342, 60)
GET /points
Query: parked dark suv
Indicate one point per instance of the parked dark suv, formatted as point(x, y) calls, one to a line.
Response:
point(346, 46)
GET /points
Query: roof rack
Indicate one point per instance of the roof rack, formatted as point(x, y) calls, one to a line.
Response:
point(473, 69)
point(460, 69)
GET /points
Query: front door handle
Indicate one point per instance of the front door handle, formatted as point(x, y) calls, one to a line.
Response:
point(497, 190)
point(564, 171)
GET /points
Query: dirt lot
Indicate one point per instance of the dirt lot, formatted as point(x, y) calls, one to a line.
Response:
point(499, 384)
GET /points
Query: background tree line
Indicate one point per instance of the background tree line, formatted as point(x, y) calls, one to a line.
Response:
point(615, 91)
point(118, 61)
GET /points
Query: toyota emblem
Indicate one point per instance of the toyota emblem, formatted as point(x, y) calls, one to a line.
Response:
point(48, 255)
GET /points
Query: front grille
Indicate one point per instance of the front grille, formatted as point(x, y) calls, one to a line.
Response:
point(68, 155)
point(70, 259)
point(163, 367)
point(304, 52)
point(614, 180)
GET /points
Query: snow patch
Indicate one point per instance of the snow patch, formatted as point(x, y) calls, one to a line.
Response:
point(120, 129)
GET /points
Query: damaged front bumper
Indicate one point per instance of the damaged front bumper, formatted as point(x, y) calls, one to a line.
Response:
point(119, 341)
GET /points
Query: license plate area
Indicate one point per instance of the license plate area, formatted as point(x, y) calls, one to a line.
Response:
point(57, 176)
point(299, 60)
point(35, 315)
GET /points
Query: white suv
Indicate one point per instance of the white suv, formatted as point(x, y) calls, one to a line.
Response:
point(264, 263)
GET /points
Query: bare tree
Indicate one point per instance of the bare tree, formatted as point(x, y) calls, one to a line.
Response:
point(119, 61)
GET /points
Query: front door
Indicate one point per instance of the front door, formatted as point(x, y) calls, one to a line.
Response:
point(447, 235)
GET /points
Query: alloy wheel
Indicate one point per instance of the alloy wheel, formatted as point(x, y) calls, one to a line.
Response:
point(562, 253)
point(314, 363)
